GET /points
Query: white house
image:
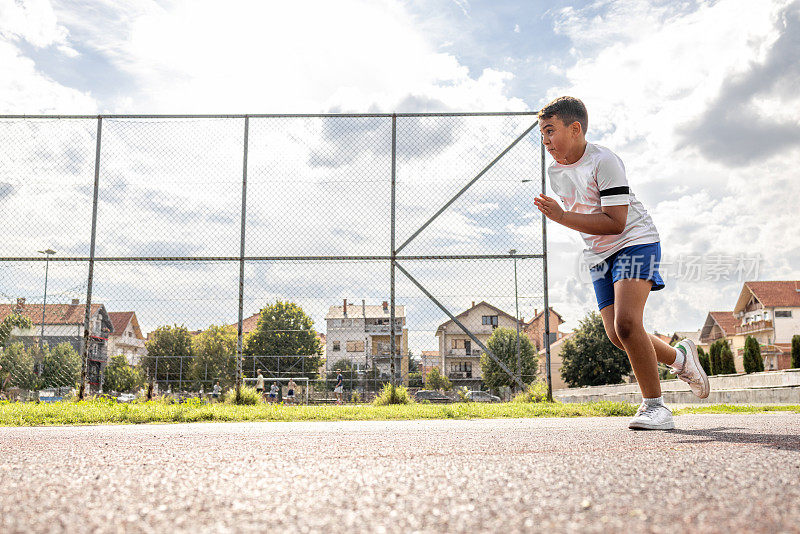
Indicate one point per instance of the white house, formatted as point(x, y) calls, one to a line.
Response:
point(460, 356)
point(126, 337)
point(770, 312)
point(361, 334)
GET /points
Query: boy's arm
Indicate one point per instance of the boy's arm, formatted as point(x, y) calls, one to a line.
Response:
point(610, 222)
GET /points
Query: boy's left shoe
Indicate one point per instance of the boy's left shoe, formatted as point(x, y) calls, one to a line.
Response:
point(652, 417)
point(692, 372)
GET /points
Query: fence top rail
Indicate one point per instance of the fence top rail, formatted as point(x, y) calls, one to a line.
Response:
point(277, 115)
point(271, 258)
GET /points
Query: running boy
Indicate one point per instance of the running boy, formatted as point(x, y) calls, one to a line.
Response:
point(623, 248)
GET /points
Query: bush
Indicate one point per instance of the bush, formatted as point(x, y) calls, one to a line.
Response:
point(796, 351)
point(726, 357)
point(392, 395)
point(705, 363)
point(536, 392)
point(244, 396)
point(355, 398)
point(435, 380)
point(462, 394)
point(753, 362)
point(714, 361)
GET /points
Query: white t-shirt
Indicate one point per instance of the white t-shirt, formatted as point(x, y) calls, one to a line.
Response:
point(598, 179)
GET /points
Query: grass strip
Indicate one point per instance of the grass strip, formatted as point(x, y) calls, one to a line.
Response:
point(108, 412)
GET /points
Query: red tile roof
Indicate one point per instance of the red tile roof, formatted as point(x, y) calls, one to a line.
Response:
point(776, 293)
point(249, 323)
point(54, 313)
point(120, 320)
point(726, 321)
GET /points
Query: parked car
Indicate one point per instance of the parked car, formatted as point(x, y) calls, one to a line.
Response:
point(126, 397)
point(482, 396)
point(431, 396)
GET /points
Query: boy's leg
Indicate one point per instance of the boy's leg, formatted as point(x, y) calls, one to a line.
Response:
point(664, 353)
point(630, 297)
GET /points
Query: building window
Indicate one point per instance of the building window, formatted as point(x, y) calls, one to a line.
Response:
point(336, 346)
point(490, 320)
point(355, 346)
point(457, 343)
point(783, 313)
point(461, 367)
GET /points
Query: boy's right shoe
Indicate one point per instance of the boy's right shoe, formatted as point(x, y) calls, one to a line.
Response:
point(692, 372)
point(652, 417)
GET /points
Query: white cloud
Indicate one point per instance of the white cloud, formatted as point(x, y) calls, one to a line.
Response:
point(354, 55)
point(31, 20)
point(23, 88)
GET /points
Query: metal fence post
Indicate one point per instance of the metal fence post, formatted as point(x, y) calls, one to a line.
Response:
point(392, 348)
point(88, 312)
point(546, 299)
point(241, 261)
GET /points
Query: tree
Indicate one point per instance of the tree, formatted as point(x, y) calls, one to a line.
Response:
point(503, 344)
point(705, 363)
point(61, 366)
point(796, 351)
point(284, 330)
point(12, 321)
point(214, 359)
point(589, 357)
point(164, 345)
point(726, 358)
point(120, 376)
point(752, 360)
point(18, 365)
point(435, 380)
point(714, 357)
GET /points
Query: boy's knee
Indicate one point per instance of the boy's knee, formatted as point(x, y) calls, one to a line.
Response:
point(625, 326)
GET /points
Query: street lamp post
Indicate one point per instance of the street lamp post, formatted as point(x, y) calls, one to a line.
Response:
point(47, 254)
point(516, 317)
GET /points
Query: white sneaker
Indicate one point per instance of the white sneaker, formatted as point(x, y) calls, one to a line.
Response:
point(692, 372)
point(652, 417)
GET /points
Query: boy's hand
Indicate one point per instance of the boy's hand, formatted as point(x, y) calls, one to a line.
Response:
point(549, 207)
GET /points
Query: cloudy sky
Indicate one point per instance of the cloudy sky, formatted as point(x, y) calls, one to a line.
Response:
point(699, 99)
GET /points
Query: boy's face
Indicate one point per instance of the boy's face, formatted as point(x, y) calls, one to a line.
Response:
point(560, 140)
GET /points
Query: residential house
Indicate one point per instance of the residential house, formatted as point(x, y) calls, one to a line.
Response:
point(460, 357)
point(362, 334)
point(770, 312)
point(126, 337)
point(65, 322)
point(428, 360)
point(722, 325)
point(535, 330)
point(556, 362)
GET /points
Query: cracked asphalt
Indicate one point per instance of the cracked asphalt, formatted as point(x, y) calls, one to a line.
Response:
point(715, 473)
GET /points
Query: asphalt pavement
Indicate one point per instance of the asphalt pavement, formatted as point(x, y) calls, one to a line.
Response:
point(714, 473)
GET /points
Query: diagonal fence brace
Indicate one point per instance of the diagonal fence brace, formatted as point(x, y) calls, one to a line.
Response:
point(464, 189)
point(489, 353)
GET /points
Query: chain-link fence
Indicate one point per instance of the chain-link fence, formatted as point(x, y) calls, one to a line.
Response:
point(180, 253)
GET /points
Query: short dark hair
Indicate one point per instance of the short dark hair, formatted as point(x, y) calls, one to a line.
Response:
point(567, 108)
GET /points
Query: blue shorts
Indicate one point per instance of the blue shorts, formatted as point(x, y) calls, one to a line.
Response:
point(637, 261)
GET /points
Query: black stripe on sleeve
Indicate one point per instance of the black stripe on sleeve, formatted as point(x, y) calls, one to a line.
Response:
point(621, 190)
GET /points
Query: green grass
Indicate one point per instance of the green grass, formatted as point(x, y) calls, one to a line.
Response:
point(109, 412)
